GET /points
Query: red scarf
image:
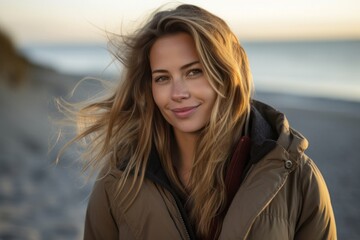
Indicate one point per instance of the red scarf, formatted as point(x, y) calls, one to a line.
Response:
point(233, 180)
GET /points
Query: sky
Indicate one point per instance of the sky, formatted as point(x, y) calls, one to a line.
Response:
point(69, 21)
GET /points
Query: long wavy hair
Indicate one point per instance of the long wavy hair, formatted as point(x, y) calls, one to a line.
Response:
point(122, 129)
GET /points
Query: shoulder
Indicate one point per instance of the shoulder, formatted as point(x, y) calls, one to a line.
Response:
point(103, 192)
point(100, 221)
point(310, 182)
point(310, 175)
point(316, 214)
point(106, 187)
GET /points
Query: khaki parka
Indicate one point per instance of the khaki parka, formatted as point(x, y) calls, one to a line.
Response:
point(282, 196)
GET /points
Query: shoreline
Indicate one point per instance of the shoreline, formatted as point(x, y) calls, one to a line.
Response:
point(305, 102)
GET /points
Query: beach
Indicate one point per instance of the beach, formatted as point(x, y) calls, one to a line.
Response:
point(43, 200)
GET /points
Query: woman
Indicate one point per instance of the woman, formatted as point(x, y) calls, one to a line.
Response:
point(187, 154)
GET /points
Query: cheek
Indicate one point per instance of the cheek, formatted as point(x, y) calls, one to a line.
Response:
point(209, 93)
point(157, 96)
point(211, 99)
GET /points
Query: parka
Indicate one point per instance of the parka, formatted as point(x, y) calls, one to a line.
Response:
point(282, 195)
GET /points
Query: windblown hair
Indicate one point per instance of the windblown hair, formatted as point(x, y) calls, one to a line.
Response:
point(123, 128)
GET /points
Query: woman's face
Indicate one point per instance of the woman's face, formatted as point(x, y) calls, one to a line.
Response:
point(179, 86)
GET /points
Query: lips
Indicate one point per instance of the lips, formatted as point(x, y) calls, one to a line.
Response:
point(184, 112)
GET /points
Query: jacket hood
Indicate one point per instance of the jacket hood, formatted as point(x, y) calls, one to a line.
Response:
point(269, 128)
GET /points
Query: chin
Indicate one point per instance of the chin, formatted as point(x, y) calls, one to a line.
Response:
point(189, 129)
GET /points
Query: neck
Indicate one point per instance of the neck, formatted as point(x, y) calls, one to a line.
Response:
point(186, 143)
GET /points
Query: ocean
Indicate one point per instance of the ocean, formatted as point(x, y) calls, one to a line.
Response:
point(326, 69)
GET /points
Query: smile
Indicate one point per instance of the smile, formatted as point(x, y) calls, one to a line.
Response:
point(184, 112)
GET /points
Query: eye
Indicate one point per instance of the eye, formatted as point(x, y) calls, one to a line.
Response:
point(160, 79)
point(194, 73)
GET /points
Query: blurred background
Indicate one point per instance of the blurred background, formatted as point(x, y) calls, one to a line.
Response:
point(305, 58)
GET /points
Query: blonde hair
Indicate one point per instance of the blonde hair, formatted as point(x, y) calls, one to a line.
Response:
point(123, 128)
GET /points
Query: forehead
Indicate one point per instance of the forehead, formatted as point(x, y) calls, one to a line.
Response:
point(174, 49)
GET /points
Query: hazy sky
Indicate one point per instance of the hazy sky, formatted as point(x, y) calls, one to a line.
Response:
point(38, 21)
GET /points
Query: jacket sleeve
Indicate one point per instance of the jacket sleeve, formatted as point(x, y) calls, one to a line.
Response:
point(99, 220)
point(316, 219)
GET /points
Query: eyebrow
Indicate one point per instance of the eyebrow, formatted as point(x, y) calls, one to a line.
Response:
point(181, 68)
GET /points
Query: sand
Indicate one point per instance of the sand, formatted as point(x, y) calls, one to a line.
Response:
point(41, 200)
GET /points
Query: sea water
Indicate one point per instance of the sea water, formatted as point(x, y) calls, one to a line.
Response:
point(329, 69)
point(79, 59)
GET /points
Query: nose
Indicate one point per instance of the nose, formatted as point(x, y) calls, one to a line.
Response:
point(179, 90)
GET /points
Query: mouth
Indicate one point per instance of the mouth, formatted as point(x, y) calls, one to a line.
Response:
point(184, 112)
